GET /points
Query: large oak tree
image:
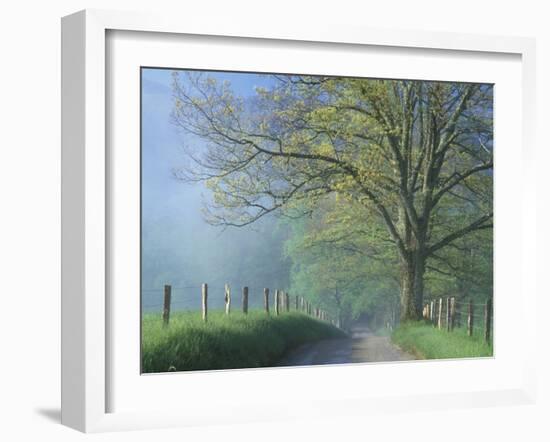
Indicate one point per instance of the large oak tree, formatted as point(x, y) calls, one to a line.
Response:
point(416, 155)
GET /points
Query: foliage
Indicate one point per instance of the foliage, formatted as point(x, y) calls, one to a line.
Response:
point(427, 342)
point(463, 270)
point(337, 266)
point(398, 170)
point(235, 341)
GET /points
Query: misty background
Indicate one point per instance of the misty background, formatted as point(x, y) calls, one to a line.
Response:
point(177, 246)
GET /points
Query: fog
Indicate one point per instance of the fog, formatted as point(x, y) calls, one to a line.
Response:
point(178, 247)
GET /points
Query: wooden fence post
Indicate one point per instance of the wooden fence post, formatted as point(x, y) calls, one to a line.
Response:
point(488, 308)
point(287, 302)
point(245, 300)
point(448, 314)
point(205, 302)
point(227, 299)
point(266, 300)
point(276, 302)
point(166, 306)
point(470, 318)
point(453, 313)
point(439, 313)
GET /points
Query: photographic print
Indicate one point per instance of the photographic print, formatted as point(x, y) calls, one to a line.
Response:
point(298, 220)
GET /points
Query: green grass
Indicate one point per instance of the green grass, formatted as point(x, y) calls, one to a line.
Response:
point(237, 341)
point(427, 342)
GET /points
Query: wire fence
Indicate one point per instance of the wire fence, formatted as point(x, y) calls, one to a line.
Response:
point(205, 298)
point(189, 298)
point(447, 313)
point(451, 314)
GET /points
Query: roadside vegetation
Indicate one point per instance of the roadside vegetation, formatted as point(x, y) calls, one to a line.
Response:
point(427, 342)
point(224, 342)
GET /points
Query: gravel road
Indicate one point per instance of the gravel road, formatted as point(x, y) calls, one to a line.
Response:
point(362, 346)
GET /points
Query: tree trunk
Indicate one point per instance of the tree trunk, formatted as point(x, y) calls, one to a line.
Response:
point(420, 269)
point(412, 286)
point(408, 299)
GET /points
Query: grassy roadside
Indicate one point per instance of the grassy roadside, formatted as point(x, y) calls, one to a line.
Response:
point(237, 341)
point(427, 342)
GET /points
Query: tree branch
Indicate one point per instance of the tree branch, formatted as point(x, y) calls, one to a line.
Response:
point(478, 224)
point(457, 178)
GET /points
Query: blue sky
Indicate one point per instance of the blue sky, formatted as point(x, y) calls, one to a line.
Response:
point(161, 143)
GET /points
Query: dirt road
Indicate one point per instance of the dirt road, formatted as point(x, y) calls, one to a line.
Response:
point(362, 346)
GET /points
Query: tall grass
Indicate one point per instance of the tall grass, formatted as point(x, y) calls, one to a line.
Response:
point(235, 341)
point(427, 342)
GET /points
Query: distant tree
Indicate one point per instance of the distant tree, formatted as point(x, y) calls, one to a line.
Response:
point(342, 263)
point(416, 155)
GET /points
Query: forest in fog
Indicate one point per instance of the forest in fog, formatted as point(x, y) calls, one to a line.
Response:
point(366, 197)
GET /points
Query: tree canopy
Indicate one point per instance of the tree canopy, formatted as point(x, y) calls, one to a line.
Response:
point(385, 181)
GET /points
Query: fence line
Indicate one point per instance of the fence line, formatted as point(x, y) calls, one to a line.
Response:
point(193, 287)
point(281, 303)
point(167, 303)
point(446, 313)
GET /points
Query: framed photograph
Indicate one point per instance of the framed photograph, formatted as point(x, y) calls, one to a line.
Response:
point(291, 222)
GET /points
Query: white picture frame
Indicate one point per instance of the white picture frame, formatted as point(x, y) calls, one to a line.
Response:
point(86, 204)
